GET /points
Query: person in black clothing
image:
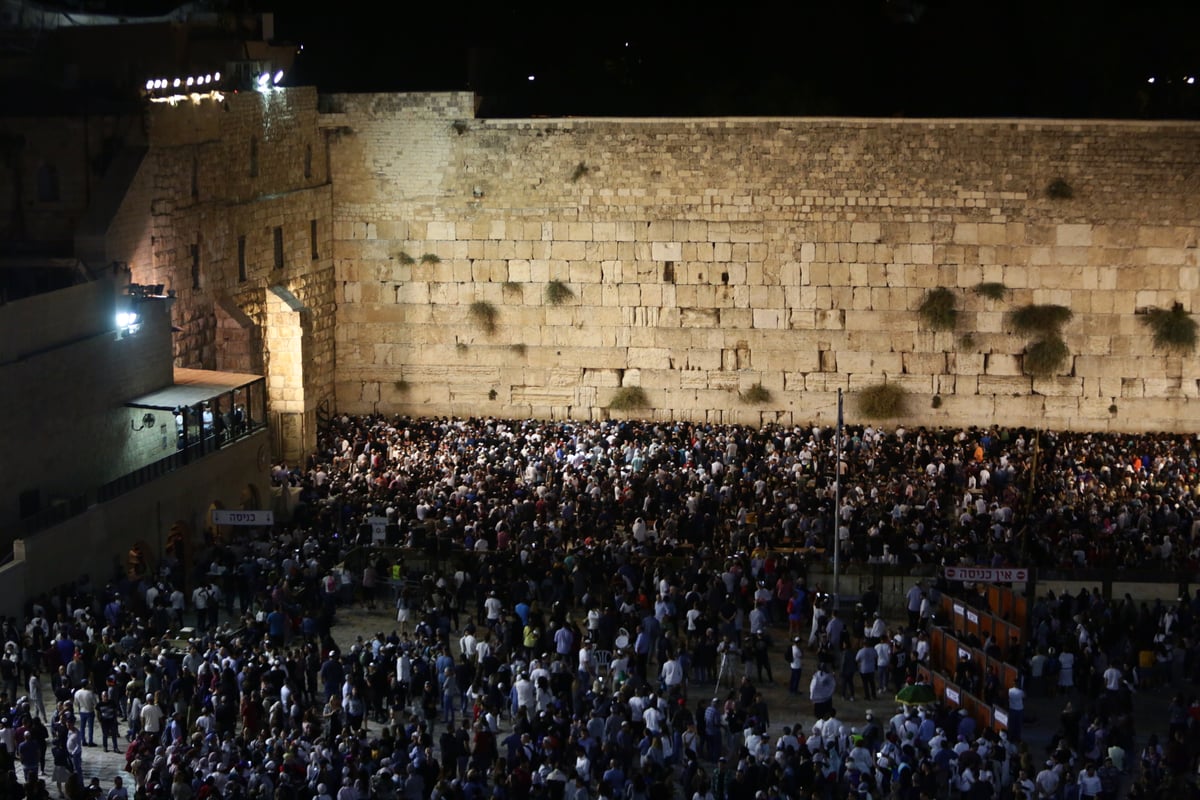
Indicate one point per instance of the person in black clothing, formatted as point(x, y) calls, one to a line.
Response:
point(107, 713)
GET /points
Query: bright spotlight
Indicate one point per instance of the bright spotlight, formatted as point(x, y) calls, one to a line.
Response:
point(176, 83)
point(149, 85)
point(264, 78)
point(208, 78)
point(1150, 80)
point(126, 319)
point(278, 77)
point(216, 76)
point(530, 78)
point(1191, 79)
point(190, 80)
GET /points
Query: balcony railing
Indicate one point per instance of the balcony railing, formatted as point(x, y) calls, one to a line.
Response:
point(62, 511)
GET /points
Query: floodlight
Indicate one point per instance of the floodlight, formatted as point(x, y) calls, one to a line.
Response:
point(278, 77)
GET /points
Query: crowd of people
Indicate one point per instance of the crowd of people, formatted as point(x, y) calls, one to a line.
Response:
point(593, 581)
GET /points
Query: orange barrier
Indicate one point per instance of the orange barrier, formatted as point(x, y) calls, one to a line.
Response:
point(962, 617)
point(955, 697)
point(946, 651)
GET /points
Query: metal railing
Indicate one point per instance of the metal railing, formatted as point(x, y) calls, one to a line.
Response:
point(62, 511)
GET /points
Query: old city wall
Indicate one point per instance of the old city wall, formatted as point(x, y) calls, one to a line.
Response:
point(706, 256)
point(240, 210)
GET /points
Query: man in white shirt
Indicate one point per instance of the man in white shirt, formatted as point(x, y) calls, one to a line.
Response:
point(1016, 711)
point(466, 646)
point(492, 607)
point(671, 674)
point(796, 664)
point(85, 703)
point(1089, 783)
point(152, 717)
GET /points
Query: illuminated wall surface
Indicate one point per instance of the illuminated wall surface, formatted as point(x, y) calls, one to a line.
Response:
point(706, 256)
point(392, 253)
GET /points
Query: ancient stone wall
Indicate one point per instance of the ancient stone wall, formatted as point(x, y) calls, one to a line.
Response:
point(240, 205)
point(703, 257)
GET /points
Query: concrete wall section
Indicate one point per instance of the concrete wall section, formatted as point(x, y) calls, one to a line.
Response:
point(107, 531)
point(706, 256)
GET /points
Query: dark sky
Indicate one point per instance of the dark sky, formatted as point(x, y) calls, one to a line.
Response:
point(1059, 58)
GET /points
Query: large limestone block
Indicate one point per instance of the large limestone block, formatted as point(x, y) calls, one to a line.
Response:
point(924, 363)
point(1058, 386)
point(1073, 235)
point(867, 320)
point(771, 318)
point(666, 251)
point(1002, 364)
point(1005, 384)
point(649, 358)
point(864, 232)
point(966, 233)
point(567, 250)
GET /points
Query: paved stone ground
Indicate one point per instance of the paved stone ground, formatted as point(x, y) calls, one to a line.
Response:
point(1042, 715)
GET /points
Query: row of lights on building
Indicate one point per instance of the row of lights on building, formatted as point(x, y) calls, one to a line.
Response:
point(180, 83)
point(266, 80)
point(1189, 79)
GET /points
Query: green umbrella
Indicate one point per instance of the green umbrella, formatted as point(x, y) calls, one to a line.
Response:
point(916, 694)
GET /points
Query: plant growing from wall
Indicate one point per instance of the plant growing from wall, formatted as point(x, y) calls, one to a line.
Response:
point(511, 286)
point(1045, 356)
point(431, 258)
point(936, 402)
point(992, 290)
point(1059, 189)
point(404, 258)
point(460, 126)
point(558, 293)
point(1112, 409)
point(1048, 352)
point(517, 348)
point(629, 398)
point(1173, 330)
point(1039, 320)
point(401, 385)
point(581, 169)
point(939, 309)
point(881, 401)
point(755, 395)
point(460, 347)
point(492, 394)
point(967, 341)
point(485, 315)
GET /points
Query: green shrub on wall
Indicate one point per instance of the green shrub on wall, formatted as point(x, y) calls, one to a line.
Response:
point(939, 309)
point(1173, 330)
point(992, 290)
point(629, 398)
point(1039, 320)
point(755, 395)
point(1045, 356)
point(882, 401)
point(558, 293)
point(485, 315)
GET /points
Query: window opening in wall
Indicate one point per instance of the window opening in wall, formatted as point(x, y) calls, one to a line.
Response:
point(195, 266)
point(47, 183)
point(308, 160)
point(253, 156)
point(279, 247)
point(241, 259)
point(312, 239)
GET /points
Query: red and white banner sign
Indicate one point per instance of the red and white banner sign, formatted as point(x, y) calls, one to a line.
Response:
point(988, 574)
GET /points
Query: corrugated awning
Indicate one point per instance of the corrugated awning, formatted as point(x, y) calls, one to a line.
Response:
point(193, 386)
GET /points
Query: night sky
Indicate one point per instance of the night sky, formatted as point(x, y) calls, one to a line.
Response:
point(916, 58)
